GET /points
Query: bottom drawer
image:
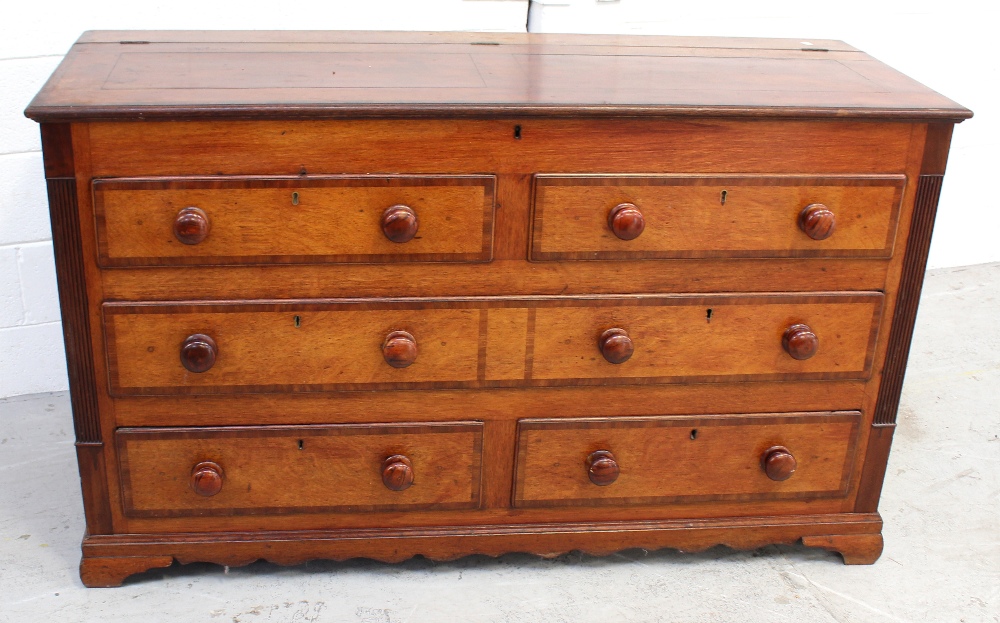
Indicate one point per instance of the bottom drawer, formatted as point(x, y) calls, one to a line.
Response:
point(169, 472)
point(659, 460)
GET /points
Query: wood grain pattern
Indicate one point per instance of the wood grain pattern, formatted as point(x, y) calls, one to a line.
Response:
point(675, 338)
point(302, 433)
point(499, 277)
point(325, 345)
point(90, 460)
point(264, 348)
point(718, 147)
point(498, 405)
point(855, 549)
point(702, 216)
point(682, 459)
point(909, 286)
point(111, 571)
point(446, 77)
point(57, 150)
point(279, 470)
point(911, 283)
point(447, 543)
point(67, 246)
point(294, 219)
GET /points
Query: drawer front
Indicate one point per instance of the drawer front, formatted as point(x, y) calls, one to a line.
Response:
point(720, 338)
point(702, 216)
point(287, 469)
point(490, 342)
point(284, 347)
point(662, 460)
point(191, 221)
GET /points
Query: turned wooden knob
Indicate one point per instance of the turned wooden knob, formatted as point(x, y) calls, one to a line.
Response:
point(817, 221)
point(206, 478)
point(397, 472)
point(399, 223)
point(602, 468)
point(191, 225)
point(778, 463)
point(399, 349)
point(616, 345)
point(799, 341)
point(198, 353)
point(626, 221)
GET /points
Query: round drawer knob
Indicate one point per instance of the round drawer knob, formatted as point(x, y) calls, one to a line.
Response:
point(602, 468)
point(779, 464)
point(198, 353)
point(191, 225)
point(399, 349)
point(817, 221)
point(800, 342)
point(397, 472)
point(399, 223)
point(616, 345)
point(626, 221)
point(206, 478)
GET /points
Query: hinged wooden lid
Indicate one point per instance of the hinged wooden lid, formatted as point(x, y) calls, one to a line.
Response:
point(331, 74)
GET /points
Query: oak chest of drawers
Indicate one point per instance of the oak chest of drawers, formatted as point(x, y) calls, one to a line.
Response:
point(329, 295)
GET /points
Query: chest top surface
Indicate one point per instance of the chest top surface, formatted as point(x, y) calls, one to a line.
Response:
point(337, 74)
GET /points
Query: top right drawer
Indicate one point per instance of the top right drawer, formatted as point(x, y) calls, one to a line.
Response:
point(631, 217)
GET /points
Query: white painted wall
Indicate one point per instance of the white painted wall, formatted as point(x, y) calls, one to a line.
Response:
point(934, 43)
point(33, 38)
point(950, 47)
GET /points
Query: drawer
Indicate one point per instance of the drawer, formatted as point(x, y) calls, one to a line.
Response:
point(298, 469)
point(221, 347)
point(654, 339)
point(267, 220)
point(604, 217)
point(232, 347)
point(662, 460)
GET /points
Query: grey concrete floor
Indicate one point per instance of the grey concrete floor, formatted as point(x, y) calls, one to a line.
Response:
point(941, 506)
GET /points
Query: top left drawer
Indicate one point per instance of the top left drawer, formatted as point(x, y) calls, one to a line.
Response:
point(292, 220)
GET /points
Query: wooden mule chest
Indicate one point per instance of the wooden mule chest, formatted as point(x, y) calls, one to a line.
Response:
point(340, 294)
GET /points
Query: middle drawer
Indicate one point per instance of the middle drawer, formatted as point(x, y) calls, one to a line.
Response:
point(270, 346)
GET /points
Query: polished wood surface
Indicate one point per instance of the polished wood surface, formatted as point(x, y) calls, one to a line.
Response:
point(108, 560)
point(800, 341)
point(173, 76)
point(626, 221)
point(616, 346)
point(817, 221)
point(325, 345)
point(262, 220)
point(602, 468)
point(191, 225)
point(723, 339)
point(720, 147)
point(278, 470)
point(673, 459)
point(697, 216)
point(399, 223)
point(399, 349)
point(318, 233)
point(397, 472)
point(779, 463)
point(207, 478)
point(198, 353)
point(856, 549)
